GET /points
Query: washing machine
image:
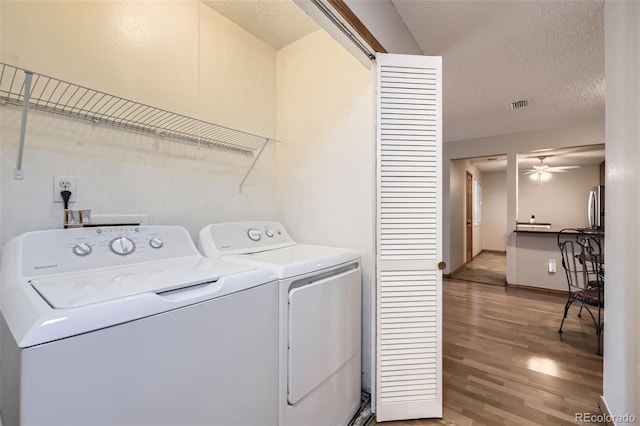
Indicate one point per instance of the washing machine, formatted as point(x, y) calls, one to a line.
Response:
point(132, 326)
point(320, 317)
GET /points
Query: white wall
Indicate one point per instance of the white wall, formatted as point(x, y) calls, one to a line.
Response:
point(455, 254)
point(326, 161)
point(457, 208)
point(494, 211)
point(533, 253)
point(181, 56)
point(561, 201)
point(122, 173)
point(177, 55)
point(622, 182)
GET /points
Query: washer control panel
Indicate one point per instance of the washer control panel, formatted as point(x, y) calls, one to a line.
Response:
point(243, 237)
point(255, 234)
point(65, 250)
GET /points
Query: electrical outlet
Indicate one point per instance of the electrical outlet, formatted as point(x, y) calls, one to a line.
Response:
point(552, 266)
point(62, 183)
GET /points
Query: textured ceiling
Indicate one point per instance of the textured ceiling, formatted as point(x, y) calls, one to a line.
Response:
point(276, 22)
point(497, 52)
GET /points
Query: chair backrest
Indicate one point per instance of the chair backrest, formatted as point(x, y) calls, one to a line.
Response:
point(581, 259)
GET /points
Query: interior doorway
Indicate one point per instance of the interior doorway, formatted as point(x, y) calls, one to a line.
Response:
point(478, 230)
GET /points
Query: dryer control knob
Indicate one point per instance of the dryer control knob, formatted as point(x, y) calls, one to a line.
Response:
point(156, 243)
point(122, 246)
point(269, 233)
point(254, 234)
point(81, 249)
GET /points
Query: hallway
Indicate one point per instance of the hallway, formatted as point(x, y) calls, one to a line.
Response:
point(487, 267)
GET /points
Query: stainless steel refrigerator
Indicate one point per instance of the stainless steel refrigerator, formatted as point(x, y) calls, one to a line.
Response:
point(595, 210)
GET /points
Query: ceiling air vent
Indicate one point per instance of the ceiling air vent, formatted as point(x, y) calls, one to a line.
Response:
point(520, 104)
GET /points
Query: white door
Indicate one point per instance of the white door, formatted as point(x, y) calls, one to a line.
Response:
point(409, 237)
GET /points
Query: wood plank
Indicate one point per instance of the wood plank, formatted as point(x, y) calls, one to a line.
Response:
point(341, 7)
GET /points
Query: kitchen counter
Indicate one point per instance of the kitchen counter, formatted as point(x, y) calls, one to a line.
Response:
point(553, 230)
point(533, 227)
point(538, 230)
point(536, 249)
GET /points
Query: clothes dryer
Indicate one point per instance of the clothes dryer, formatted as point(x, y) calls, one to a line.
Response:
point(131, 325)
point(320, 317)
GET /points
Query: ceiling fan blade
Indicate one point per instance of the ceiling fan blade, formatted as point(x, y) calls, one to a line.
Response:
point(562, 168)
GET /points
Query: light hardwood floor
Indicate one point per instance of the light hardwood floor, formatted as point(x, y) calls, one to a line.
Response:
point(504, 362)
point(486, 267)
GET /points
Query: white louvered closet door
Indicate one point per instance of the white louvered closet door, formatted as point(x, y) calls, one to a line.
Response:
point(409, 237)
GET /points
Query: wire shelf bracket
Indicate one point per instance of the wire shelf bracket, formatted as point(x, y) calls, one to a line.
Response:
point(30, 90)
point(17, 172)
point(255, 160)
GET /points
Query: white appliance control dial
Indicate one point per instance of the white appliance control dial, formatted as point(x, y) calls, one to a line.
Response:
point(254, 234)
point(269, 233)
point(155, 243)
point(81, 249)
point(122, 246)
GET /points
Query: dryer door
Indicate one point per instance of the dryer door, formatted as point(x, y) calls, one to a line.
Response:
point(324, 330)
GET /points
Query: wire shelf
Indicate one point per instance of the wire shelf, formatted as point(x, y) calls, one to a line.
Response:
point(71, 100)
point(31, 90)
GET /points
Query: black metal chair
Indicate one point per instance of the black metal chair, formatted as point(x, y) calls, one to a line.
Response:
point(582, 260)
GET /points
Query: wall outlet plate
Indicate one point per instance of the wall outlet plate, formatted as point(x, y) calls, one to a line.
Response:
point(61, 183)
point(552, 266)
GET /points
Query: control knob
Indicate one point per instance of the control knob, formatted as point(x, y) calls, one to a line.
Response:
point(156, 243)
point(122, 246)
point(254, 234)
point(269, 233)
point(81, 249)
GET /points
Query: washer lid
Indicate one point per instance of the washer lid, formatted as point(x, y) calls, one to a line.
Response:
point(298, 259)
point(79, 289)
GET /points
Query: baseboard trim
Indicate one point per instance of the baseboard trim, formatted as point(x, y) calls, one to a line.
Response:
point(460, 268)
point(604, 409)
point(539, 289)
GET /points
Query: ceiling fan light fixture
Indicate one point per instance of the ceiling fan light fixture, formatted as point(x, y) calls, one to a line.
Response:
point(540, 176)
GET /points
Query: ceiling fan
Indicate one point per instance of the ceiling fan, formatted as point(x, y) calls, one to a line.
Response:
point(542, 172)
